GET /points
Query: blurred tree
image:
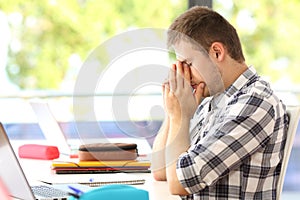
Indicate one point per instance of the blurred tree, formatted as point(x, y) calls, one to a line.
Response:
point(46, 33)
point(269, 31)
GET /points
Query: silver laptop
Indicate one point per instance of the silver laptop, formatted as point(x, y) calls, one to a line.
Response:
point(14, 178)
point(55, 136)
point(51, 129)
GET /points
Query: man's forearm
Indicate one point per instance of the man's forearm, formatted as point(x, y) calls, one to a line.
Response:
point(158, 164)
point(177, 142)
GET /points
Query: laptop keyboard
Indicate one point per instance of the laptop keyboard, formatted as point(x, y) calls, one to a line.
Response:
point(48, 192)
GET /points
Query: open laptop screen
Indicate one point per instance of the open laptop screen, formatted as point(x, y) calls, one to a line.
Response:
point(50, 127)
point(10, 170)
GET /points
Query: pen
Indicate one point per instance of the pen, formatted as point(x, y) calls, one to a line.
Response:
point(74, 195)
point(77, 191)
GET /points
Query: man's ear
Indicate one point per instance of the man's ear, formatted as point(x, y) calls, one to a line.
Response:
point(217, 51)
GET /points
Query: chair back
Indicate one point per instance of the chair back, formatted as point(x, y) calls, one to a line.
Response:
point(294, 114)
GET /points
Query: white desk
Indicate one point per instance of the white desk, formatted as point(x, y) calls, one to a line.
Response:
point(34, 169)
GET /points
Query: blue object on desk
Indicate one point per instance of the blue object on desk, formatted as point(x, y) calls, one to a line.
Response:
point(76, 192)
point(115, 192)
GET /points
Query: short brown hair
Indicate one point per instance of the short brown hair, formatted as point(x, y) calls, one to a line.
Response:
point(206, 26)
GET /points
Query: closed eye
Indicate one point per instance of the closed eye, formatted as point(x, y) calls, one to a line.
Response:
point(189, 64)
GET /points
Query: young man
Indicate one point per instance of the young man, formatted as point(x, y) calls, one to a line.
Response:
point(224, 132)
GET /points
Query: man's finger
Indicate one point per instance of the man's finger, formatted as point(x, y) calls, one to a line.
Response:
point(187, 74)
point(172, 78)
point(179, 74)
point(199, 93)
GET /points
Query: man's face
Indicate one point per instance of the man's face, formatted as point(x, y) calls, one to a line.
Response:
point(203, 70)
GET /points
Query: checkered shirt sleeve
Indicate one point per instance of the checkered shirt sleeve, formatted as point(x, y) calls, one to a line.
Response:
point(239, 156)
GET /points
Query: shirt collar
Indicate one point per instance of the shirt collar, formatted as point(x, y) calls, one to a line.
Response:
point(247, 77)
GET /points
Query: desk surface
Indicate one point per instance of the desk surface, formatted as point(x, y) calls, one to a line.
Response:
point(35, 169)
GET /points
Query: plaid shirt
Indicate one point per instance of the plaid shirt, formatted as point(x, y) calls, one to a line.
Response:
point(237, 143)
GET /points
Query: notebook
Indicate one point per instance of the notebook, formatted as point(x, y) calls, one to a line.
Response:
point(95, 180)
point(51, 129)
point(14, 178)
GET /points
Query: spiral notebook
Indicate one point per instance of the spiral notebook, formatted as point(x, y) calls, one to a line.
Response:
point(95, 180)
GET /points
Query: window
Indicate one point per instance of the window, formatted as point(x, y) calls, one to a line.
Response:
point(45, 44)
point(269, 32)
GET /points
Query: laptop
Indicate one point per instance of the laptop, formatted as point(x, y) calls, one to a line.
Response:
point(14, 178)
point(55, 136)
point(51, 129)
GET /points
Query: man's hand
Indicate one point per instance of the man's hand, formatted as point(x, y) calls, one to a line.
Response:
point(180, 101)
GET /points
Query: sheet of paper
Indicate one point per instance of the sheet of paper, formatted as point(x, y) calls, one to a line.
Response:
point(94, 179)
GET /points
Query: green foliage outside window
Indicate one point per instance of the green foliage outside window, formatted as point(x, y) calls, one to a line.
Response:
point(269, 31)
point(50, 31)
point(47, 33)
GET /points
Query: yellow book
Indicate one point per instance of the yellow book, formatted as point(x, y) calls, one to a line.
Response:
point(71, 167)
point(128, 163)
